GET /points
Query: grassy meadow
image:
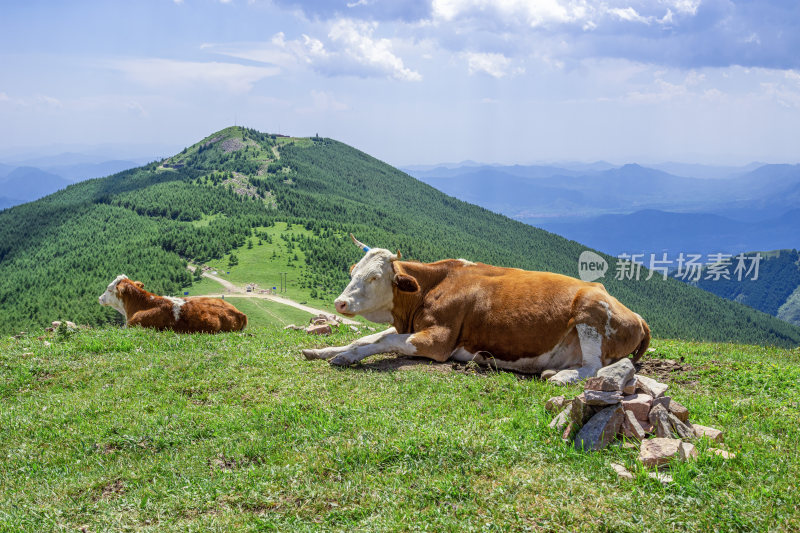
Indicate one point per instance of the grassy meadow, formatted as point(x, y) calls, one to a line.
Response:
point(263, 264)
point(136, 430)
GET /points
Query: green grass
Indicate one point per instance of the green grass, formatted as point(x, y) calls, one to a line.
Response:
point(264, 263)
point(205, 221)
point(121, 430)
point(263, 313)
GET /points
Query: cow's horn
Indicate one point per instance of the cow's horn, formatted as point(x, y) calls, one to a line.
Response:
point(398, 256)
point(359, 244)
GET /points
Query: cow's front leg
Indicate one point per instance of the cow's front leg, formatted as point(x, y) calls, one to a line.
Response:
point(591, 353)
point(333, 351)
point(433, 343)
point(396, 342)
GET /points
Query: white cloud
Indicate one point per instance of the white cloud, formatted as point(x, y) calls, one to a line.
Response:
point(495, 65)
point(629, 14)
point(357, 43)
point(683, 6)
point(531, 13)
point(4, 97)
point(168, 73)
point(351, 49)
point(782, 95)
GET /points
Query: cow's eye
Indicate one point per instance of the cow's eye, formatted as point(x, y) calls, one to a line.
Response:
point(372, 279)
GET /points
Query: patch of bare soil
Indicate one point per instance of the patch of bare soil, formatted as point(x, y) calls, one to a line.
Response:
point(112, 490)
point(232, 145)
point(221, 462)
point(241, 185)
point(665, 370)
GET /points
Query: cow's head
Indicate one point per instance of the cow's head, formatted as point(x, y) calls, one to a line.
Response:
point(369, 292)
point(112, 295)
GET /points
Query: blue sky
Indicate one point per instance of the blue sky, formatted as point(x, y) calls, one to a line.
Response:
point(506, 81)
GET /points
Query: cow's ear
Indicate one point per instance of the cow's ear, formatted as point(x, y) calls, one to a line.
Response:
point(139, 284)
point(405, 283)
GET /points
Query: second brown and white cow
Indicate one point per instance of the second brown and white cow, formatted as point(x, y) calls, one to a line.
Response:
point(515, 319)
point(184, 315)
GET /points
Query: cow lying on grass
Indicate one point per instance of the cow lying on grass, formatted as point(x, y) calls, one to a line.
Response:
point(514, 319)
point(184, 315)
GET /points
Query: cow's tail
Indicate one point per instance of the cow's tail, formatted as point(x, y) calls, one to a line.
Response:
point(642, 348)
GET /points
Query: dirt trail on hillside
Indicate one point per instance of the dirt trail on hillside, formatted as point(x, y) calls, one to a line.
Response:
point(239, 292)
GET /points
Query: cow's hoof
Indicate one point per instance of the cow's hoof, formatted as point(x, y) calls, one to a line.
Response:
point(341, 361)
point(549, 373)
point(310, 355)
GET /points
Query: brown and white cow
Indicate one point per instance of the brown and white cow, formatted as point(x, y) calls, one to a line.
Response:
point(514, 319)
point(184, 315)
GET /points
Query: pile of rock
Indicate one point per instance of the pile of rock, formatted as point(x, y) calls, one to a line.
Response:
point(70, 326)
point(619, 402)
point(319, 324)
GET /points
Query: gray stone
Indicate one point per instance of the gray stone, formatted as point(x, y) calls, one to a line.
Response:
point(659, 417)
point(581, 411)
point(555, 404)
point(638, 404)
point(619, 373)
point(659, 451)
point(600, 430)
point(596, 397)
point(705, 431)
point(684, 431)
point(561, 419)
point(600, 383)
point(631, 427)
point(630, 387)
point(687, 451)
point(650, 386)
point(621, 471)
point(681, 412)
point(323, 329)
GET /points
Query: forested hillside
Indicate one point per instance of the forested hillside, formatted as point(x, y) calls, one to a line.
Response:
point(58, 254)
point(776, 291)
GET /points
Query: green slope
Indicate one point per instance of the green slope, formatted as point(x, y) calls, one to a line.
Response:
point(776, 291)
point(57, 254)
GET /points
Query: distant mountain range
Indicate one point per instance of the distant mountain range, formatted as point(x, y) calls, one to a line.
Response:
point(34, 178)
point(654, 231)
point(632, 207)
point(29, 183)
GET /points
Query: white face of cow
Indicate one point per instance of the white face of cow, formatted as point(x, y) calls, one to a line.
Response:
point(369, 292)
point(111, 296)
